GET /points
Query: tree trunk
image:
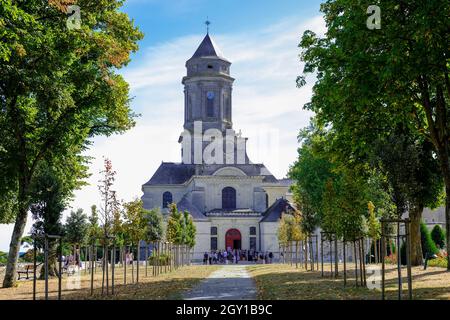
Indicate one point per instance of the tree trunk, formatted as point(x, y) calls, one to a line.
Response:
point(447, 223)
point(52, 261)
point(336, 257)
point(375, 251)
point(415, 215)
point(14, 247)
point(439, 132)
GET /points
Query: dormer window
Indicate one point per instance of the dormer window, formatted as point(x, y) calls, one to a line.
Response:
point(210, 66)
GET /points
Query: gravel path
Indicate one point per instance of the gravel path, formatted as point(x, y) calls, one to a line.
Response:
point(231, 282)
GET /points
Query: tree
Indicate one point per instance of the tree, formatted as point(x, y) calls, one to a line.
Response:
point(297, 233)
point(373, 228)
point(310, 173)
point(190, 230)
point(428, 246)
point(27, 240)
point(58, 89)
point(438, 236)
point(175, 226)
point(47, 210)
point(412, 171)
point(94, 230)
point(118, 230)
point(283, 232)
point(76, 230)
point(364, 103)
point(135, 222)
point(181, 229)
point(76, 227)
point(154, 225)
point(109, 200)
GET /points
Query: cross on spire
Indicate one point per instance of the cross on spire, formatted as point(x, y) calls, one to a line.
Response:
point(207, 22)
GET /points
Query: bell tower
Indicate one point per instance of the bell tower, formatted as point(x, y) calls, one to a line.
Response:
point(207, 100)
point(208, 88)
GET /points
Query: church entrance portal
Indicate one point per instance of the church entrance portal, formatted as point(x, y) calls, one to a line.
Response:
point(233, 239)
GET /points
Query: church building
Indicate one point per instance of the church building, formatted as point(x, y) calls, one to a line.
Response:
point(235, 204)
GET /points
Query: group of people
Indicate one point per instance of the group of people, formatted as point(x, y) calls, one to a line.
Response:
point(71, 260)
point(234, 256)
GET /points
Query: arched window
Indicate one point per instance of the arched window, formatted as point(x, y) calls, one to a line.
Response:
point(253, 231)
point(227, 109)
point(210, 104)
point(229, 198)
point(167, 199)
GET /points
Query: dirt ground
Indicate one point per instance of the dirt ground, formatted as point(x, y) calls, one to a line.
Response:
point(274, 281)
point(164, 286)
point(285, 282)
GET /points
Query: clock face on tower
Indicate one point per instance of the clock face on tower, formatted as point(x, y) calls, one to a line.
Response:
point(210, 95)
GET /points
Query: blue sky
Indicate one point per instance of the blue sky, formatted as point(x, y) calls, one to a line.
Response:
point(162, 20)
point(259, 37)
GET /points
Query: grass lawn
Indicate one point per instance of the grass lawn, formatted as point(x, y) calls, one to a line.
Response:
point(162, 287)
point(285, 282)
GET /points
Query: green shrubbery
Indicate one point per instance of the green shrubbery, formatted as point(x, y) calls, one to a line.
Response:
point(3, 257)
point(438, 236)
point(428, 245)
point(440, 261)
point(164, 259)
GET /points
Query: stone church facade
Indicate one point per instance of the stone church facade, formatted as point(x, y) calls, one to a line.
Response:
point(235, 204)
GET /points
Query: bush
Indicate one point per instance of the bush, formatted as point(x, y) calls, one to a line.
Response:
point(164, 259)
point(428, 245)
point(392, 248)
point(440, 261)
point(3, 257)
point(438, 236)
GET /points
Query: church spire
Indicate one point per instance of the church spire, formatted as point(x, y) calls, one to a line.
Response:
point(208, 48)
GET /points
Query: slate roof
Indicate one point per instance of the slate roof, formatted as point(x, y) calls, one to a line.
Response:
point(273, 213)
point(170, 173)
point(286, 182)
point(208, 49)
point(186, 205)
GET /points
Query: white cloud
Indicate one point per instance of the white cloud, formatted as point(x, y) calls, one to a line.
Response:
point(267, 107)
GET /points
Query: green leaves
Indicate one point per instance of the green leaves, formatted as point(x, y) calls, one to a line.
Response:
point(135, 224)
point(76, 227)
point(181, 229)
point(155, 225)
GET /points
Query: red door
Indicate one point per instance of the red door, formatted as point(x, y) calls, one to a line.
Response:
point(233, 239)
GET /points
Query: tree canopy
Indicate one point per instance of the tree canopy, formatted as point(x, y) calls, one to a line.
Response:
point(59, 88)
point(181, 229)
point(76, 227)
point(383, 94)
